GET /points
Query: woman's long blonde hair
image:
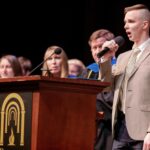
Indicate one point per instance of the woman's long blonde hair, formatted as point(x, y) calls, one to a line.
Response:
point(64, 68)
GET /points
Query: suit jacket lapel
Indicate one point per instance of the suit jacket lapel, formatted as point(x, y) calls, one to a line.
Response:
point(121, 65)
point(143, 56)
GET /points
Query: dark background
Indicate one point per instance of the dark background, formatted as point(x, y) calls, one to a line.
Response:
point(28, 28)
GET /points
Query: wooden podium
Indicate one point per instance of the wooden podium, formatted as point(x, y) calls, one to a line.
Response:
point(41, 113)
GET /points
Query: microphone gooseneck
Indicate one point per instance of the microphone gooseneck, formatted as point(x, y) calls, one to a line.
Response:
point(56, 51)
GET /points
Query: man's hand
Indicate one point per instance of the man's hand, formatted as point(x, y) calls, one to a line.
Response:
point(113, 48)
point(146, 145)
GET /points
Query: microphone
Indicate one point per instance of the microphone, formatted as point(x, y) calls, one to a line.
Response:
point(56, 51)
point(118, 40)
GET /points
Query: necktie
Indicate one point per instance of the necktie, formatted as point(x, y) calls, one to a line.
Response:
point(132, 61)
point(129, 68)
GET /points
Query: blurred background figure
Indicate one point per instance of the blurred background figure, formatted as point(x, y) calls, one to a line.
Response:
point(26, 65)
point(76, 67)
point(55, 65)
point(95, 42)
point(9, 66)
point(103, 140)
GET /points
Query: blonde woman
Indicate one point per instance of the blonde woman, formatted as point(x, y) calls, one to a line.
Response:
point(76, 67)
point(55, 65)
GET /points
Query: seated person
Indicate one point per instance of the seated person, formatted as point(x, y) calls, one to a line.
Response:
point(26, 65)
point(76, 67)
point(104, 99)
point(93, 69)
point(55, 65)
point(9, 66)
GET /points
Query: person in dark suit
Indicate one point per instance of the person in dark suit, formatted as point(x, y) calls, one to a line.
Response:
point(103, 140)
point(131, 104)
point(103, 122)
point(95, 42)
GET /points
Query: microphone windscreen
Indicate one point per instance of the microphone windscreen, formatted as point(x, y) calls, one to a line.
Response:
point(57, 51)
point(119, 40)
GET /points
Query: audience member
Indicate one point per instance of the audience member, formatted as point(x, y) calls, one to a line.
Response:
point(9, 66)
point(76, 67)
point(26, 65)
point(104, 100)
point(55, 65)
point(95, 42)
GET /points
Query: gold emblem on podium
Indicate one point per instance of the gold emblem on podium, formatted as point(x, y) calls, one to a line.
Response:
point(12, 120)
point(11, 138)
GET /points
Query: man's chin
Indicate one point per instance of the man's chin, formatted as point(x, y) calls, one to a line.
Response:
point(97, 61)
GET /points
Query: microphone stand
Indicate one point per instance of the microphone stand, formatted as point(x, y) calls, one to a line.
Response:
point(47, 71)
point(56, 51)
point(37, 66)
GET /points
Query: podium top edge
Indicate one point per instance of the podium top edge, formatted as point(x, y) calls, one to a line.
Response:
point(39, 78)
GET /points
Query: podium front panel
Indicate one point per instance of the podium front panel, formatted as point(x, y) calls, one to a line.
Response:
point(40, 113)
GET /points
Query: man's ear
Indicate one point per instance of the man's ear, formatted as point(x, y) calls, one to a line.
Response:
point(146, 24)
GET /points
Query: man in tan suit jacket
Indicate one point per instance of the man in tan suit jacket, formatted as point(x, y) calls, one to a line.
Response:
point(131, 105)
